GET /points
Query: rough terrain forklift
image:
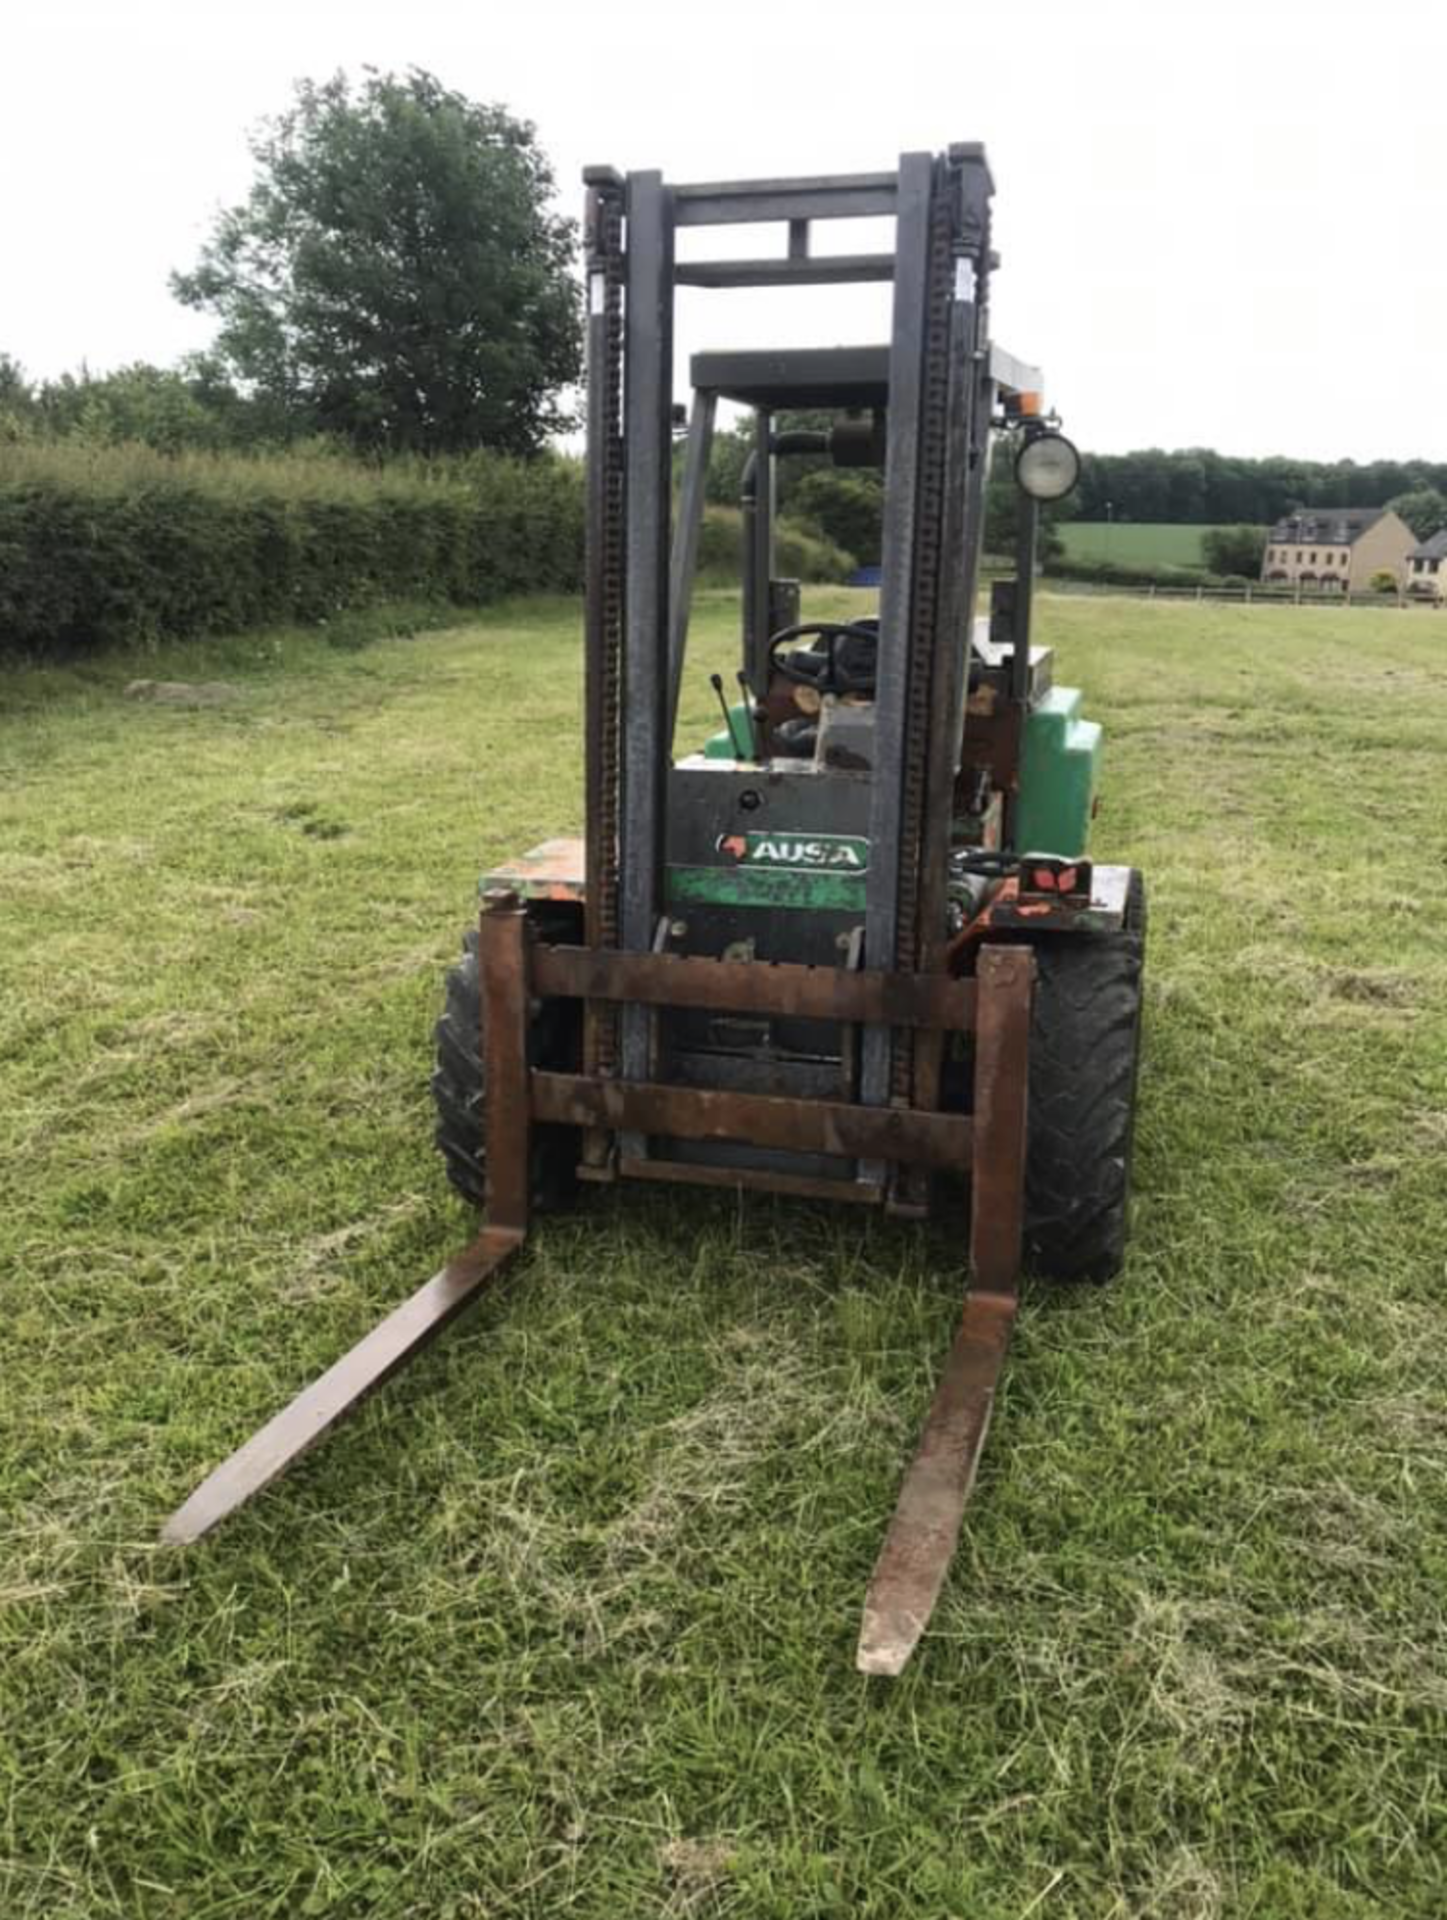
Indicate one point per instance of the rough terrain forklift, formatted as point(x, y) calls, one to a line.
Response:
point(854, 943)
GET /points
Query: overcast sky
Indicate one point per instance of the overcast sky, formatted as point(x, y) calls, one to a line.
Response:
point(1221, 224)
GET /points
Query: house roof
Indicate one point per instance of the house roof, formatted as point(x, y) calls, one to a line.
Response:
point(1326, 526)
point(1433, 549)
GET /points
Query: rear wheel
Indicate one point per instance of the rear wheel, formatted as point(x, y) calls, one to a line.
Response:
point(458, 1086)
point(1084, 1061)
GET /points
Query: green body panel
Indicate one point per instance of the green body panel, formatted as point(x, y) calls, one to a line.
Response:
point(745, 886)
point(1059, 772)
point(1059, 765)
point(718, 746)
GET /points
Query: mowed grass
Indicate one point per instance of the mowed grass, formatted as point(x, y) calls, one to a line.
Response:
point(1134, 545)
point(563, 1621)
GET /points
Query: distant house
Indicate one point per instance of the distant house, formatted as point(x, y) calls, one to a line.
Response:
point(1338, 549)
point(1425, 567)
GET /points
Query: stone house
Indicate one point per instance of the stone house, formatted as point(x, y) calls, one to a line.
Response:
point(1427, 568)
point(1338, 549)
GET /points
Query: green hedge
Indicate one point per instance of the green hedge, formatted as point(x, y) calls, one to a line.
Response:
point(1114, 573)
point(100, 546)
point(800, 553)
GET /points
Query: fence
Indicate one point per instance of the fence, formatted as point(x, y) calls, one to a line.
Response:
point(1258, 596)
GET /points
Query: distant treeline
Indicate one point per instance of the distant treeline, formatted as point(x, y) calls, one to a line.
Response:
point(1202, 488)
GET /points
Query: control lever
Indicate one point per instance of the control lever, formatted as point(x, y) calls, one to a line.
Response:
point(747, 691)
point(715, 680)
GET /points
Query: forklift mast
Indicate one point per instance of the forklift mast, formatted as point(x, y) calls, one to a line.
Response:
point(935, 391)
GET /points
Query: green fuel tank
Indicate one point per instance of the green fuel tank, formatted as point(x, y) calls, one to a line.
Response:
point(1059, 767)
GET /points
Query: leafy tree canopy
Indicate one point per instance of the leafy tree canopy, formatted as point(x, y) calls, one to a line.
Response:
point(1424, 509)
point(1234, 550)
point(173, 409)
point(395, 274)
point(17, 401)
point(847, 505)
point(152, 405)
point(15, 388)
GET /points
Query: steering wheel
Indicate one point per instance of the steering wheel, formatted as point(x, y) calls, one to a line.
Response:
point(829, 676)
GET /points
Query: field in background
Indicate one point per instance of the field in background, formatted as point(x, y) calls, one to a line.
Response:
point(563, 1622)
point(1132, 545)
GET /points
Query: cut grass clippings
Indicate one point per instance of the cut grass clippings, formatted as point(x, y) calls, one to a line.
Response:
point(563, 1621)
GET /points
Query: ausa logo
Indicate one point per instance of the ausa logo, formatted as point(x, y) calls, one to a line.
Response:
point(801, 853)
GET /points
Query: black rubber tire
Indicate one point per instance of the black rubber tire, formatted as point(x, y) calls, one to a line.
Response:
point(1085, 1040)
point(457, 1084)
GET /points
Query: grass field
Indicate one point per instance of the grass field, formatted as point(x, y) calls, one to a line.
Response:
point(1131, 545)
point(563, 1622)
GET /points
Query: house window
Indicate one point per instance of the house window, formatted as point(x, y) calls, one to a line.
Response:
point(1313, 559)
point(1432, 566)
point(1416, 566)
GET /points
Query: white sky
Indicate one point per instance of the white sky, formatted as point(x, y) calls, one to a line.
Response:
point(1222, 225)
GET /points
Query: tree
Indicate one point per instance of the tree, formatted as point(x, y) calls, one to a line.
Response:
point(395, 274)
point(17, 400)
point(1196, 484)
point(15, 388)
point(1424, 509)
point(1236, 550)
point(728, 456)
point(846, 504)
point(242, 420)
point(153, 405)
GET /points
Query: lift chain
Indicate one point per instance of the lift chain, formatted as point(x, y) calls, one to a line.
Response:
point(924, 597)
point(606, 278)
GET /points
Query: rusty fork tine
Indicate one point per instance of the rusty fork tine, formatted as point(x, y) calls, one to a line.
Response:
point(503, 956)
point(925, 1530)
point(910, 1572)
point(405, 1331)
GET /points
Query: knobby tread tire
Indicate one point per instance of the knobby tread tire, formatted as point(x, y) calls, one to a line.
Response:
point(458, 1085)
point(1084, 1063)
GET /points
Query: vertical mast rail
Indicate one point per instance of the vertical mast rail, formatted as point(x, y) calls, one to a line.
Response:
point(958, 571)
point(926, 638)
point(901, 486)
point(603, 616)
point(759, 553)
point(684, 564)
point(648, 411)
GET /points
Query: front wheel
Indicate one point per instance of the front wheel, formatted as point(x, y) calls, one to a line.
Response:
point(458, 1085)
point(1085, 1039)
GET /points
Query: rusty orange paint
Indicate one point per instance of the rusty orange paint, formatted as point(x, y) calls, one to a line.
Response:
point(556, 870)
point(971, 934)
